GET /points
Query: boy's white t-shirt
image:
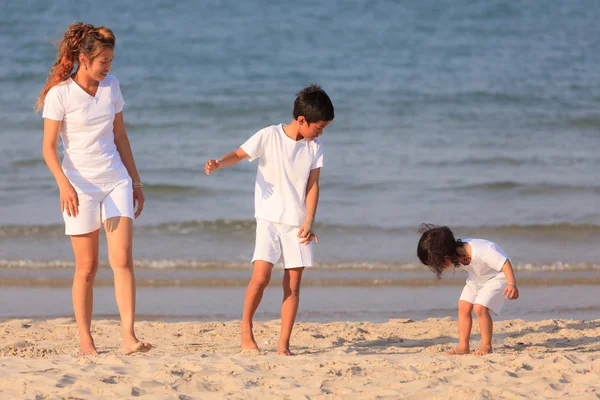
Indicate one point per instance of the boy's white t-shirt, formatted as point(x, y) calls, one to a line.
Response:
point(283, 170)
point(487, 260)
point(90, 153)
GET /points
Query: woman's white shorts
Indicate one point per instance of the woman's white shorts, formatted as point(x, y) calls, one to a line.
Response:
point(488, 293)
point(97, 203)
point(275, 241)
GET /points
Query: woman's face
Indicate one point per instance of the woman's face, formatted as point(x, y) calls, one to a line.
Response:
point(101, 65)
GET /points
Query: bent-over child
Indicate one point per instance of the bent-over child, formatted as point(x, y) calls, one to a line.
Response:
point(491, 279)
point(286, 196)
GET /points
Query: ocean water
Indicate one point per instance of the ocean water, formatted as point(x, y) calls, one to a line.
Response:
point(481, 115)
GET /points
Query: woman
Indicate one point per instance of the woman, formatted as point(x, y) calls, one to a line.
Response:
point(98, 180)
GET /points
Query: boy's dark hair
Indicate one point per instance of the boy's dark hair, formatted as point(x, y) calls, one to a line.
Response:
point(313, 104)
point(437, 243)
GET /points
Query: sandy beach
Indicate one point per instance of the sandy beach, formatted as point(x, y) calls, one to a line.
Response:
point(355, 360)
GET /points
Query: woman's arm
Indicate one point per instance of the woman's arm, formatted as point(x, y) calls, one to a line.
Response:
point(124, 149)
point(69, 201)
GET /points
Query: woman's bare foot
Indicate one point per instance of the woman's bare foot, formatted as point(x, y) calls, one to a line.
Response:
point(459, 351)
point(483, 350)
point(135, 347)
point(87, 348)
point(248, 342)
point(283, 349)
point(284, 352)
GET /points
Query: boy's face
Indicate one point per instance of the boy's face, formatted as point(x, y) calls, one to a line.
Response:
point(312, 130)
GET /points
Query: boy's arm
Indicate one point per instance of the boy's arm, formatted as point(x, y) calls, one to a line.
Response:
point(312, 199)
point(511, 291)
point(227, 160)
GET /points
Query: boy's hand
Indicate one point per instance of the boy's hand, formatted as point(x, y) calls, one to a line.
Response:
point(511, 292)
point(306, 234)
point(211, 166)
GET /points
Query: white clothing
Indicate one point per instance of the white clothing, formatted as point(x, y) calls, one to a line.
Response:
point(487, 260)
point(488, 294)
point(283, 170)
point(97, 203)
point(486, 280)
point(275, 241)
point(90, 153)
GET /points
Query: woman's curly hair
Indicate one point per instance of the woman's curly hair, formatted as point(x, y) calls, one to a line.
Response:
point(437, 243)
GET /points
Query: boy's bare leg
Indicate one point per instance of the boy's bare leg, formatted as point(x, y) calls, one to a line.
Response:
point(254, 293)
point(85, 248)
point(289, 307)
point(465, 321)
point(486, 326)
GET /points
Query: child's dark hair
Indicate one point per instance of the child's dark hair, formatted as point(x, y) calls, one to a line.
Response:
point(313, 104)
point(437, 243)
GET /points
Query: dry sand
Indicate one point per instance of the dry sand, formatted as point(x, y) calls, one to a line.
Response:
point(342, 360)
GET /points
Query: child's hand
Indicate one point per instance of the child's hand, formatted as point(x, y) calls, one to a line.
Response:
point(306, 234)
point(511, 291)
point(211, 166)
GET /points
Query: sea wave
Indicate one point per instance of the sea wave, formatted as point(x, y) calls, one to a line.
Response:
point(200, 227)
point(173, 264)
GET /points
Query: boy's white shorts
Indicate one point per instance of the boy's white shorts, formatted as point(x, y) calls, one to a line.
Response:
point(275, 241)
point(97, 203)
point(488, 293)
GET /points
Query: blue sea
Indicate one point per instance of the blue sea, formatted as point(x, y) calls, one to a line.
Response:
point(483, 115)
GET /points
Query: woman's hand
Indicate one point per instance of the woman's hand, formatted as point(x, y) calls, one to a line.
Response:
point(138, 197)
point(69, 201)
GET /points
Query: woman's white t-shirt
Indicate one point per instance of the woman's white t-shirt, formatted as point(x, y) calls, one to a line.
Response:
point(283, 170)
point(487, 260)
point(90, 153)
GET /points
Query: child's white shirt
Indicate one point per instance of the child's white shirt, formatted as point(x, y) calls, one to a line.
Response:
point(87, 131)
point(487, 260)
point(283, 170)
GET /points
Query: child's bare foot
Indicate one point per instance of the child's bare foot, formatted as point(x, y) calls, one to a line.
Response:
point(248, 342)
point(135, 347)
point(483, 350)
point(87, 348)
point(459, 351)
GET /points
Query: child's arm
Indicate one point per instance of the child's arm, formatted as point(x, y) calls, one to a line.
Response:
point(312, 198)
point(511, 291)
point(227, 160)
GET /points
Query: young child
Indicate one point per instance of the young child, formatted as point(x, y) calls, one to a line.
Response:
point(286, 195)
point(491, 278)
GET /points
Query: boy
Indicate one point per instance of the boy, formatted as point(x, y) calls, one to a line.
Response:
point(286, 197)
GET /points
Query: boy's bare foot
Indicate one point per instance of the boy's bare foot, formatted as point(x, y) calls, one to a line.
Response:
point(483, 350)
point(459, 351)
point(136, 347)
point(248, 342)
point(87, 349)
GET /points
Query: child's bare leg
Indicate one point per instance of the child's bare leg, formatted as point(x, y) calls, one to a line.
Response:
point(254, 293)
point(486, 326)
point(465, 321)
point(289, 307)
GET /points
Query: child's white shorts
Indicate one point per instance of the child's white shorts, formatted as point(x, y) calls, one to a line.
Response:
point(488, 293)
point(97, 203)
point(275, 241)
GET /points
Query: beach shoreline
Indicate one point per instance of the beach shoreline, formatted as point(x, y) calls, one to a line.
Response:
point(400, 358)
